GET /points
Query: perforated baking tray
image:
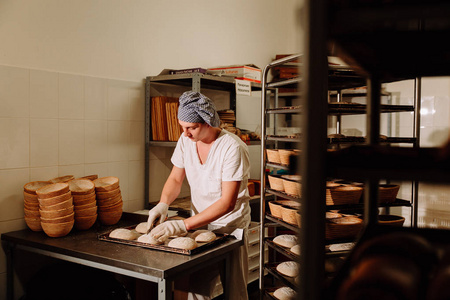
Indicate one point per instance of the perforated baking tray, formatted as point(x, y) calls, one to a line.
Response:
point(220, 238)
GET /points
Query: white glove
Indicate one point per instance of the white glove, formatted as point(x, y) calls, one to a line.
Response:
point(159, 211)
point(170, 228)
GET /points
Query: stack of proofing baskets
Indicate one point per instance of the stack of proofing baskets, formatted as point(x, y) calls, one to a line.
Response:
point(58, 205)
point(109, 199)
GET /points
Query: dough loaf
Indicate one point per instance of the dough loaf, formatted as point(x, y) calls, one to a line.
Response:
point(203, 236)
point(296, 249)
point(286, 240)
point(185, 243)
point(141, 227)
point(289, 268)
point(285, 293)
point(123, 234)
point(148, 239)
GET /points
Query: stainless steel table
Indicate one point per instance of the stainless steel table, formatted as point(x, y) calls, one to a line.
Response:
point(84, 248)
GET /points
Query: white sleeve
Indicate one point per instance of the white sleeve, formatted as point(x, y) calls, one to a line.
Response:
point(178, 154)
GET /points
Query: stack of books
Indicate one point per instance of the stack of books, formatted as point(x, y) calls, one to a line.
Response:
point(164, 119)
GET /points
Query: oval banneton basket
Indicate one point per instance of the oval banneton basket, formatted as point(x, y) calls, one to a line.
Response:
point(292, 185)
point(273, 156)
point(285, 155)
point(344, 195)
point(275, 209)
point(276, 183)
point(342, 228)
point(387, 193)
point(288, 214)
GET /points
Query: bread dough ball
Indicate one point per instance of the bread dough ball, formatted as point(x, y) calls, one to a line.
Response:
point(286, 240)
point(203, 236)
point(285, 293)
point(141, 227)
point(289, 268)
point(123, 234)
point(296, 249)
point(185, 243)
point(148, 239)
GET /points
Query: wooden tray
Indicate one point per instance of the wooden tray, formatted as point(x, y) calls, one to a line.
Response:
point(201, 246)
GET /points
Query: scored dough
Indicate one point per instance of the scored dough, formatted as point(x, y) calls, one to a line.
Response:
point(203, 236)
point(123, 234)
point(141, 227)
point(296, 249)
point(286, 240)
point(289, 268)
point(148, 239)
point(285, 293)
point(185, 243)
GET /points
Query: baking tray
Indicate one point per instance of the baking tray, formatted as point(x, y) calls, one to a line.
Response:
point(220, 238)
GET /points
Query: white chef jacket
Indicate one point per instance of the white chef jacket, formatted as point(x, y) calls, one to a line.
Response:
point(228, 160)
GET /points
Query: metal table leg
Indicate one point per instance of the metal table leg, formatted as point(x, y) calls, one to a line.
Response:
point(8, 248)
point(164, 289)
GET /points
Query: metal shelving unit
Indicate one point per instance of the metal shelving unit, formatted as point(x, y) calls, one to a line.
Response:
point(192, 81)
point(359, 32)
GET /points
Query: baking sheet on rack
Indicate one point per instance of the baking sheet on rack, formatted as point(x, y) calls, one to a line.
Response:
point(220, 238)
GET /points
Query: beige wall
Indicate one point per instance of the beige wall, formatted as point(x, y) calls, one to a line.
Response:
point(72, 91)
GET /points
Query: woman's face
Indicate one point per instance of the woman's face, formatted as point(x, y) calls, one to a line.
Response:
point(194, 131)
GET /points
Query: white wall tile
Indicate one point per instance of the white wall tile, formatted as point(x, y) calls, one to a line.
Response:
point(433, 136)
point(135, 205)
point(95, 98)
point(8, 226)
point(120, 170)
point(96, 141)
point(159, 171)
point(44, 142)
point(118, 100)
point(100, 169)
point(14, 143)
point(118, 139)
point(137, 138)
point(136, 180)
point(71, 142)
point(161, 152)
point(14, 92)
point(71, 96)
point(43, 173)
point(255, 161)
point(137, 102)
point(44, 94)
point(11, 199)
point(75, 170)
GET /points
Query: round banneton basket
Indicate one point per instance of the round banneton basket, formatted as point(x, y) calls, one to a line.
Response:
point(388, 193)
point(341, 228)
point(345, 195)
point(276, 183)
point(273, 156)
point(391, 220)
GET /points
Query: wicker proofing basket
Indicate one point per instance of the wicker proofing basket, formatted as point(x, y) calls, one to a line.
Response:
point(285, 154)
point(276, 183)
point(292, 187)
point(275, 209)
point(341, 228)
point(298, 218)
point(391, 220)
point(388, 193)
point(345, 195)
point(273, 156)
point(288, 215)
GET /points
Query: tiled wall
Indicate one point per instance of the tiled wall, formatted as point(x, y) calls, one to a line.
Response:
point(54, 124)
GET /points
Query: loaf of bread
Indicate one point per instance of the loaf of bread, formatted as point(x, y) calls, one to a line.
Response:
point(148, 239)
point(286, 240)
point(296, 249)
point(185, 243)
point(123, 234)
point(285, 293)
point(289, 268)
point(141, 227)
point(203, 236)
